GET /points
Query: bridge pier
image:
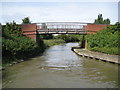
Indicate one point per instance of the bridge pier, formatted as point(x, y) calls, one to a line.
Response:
point(37, 39)
point(83, 42)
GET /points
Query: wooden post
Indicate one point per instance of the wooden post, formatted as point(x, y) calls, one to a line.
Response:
point(86, 44)
point(83, 42)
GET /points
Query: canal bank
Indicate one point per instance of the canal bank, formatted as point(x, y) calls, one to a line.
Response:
point(96, 55)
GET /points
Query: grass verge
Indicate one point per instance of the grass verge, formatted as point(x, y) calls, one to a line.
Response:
point(52, 42)
point(106, 50)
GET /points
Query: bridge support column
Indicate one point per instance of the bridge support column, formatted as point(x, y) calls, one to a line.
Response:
point(84, 43)
point(38, 39)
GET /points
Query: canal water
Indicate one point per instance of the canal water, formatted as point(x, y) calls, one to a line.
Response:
point(59, 67)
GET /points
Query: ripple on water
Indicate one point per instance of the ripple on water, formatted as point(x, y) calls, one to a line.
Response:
point(60, 67)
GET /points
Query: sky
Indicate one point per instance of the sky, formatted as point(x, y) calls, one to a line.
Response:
point(56, 11)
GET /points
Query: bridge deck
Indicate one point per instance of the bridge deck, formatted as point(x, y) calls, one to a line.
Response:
point(57, 31)
point(61, 31)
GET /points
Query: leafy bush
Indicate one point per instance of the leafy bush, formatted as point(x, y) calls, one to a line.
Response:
point(14, 44)
point(105, 40)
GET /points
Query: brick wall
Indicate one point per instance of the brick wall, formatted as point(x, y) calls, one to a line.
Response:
point(95, 27)
point(29, 27)
point(29, 30)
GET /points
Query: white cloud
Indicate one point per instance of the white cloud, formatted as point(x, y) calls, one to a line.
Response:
point(65, 12)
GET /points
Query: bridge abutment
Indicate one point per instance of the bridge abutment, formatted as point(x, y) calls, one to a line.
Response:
point(30, 30)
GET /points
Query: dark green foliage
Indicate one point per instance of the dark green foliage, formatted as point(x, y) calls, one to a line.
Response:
point(26, 20)
point(11, 29)
point(14, 44)
point(47, 36)
point(106, 21)
point(105, 40)
point(100, 20)
point(63, 37)
point(68, 38)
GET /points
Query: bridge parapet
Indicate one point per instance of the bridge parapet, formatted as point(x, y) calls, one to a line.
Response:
point(60, 25)
point(61, 28)
point(92, 28)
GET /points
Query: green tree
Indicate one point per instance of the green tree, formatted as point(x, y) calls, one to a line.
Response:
point(106, 21)
point(100, 20)
point(26, 20)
